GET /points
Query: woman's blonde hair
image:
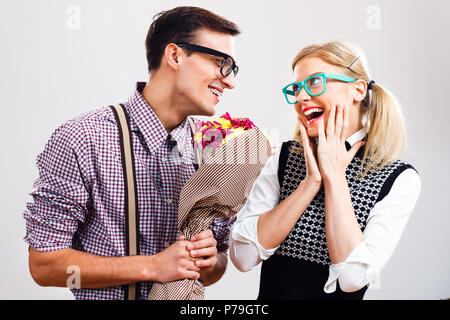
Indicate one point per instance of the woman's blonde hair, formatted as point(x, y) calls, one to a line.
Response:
point(383, 118)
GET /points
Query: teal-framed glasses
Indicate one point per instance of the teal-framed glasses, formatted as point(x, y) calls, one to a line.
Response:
point(314, 85)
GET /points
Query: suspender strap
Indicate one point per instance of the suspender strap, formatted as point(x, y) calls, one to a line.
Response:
point(129, 174)
point(197, 151)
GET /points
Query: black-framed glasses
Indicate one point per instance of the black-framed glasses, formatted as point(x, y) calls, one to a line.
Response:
point(228, 63)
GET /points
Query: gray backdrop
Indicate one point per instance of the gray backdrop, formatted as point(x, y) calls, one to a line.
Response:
point(61, 58)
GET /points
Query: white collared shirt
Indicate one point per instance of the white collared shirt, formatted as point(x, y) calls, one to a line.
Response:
point(385, 225)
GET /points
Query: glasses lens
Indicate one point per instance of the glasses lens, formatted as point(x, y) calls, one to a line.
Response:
point(315, 85)
point(235, 70)
point(227, 67)
point(292, 92)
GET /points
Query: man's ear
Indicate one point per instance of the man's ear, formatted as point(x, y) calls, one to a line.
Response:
point(360, 90)
point(172, 56)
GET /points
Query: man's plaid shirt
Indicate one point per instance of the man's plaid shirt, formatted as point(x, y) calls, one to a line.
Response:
point(78, 199)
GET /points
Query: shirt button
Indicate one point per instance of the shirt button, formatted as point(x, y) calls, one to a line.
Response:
point(166, 244)
point(169, 201)
point(163, 159)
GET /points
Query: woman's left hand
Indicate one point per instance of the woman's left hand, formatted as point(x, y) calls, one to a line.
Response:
point(332, 154)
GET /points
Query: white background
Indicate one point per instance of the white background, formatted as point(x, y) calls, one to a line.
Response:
point(60, 58)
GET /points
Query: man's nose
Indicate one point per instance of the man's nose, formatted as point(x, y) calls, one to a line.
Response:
point(229, 81)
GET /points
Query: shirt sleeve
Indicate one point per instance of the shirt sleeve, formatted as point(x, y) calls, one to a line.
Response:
point(60, 197)
point(221, 231)
point(384, 228)
point(245, 250)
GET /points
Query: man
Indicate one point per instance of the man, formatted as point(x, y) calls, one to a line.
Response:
point(77, 217)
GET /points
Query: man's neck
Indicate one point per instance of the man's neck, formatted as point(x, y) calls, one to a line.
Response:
point(160, 98)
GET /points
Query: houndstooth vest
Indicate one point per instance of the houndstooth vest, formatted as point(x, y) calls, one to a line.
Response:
point(307, 239)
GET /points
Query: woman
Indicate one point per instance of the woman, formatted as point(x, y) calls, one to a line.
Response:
point(329, 207)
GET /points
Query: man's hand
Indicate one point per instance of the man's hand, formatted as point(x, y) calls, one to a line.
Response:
point(203, 247)
point(175, 263)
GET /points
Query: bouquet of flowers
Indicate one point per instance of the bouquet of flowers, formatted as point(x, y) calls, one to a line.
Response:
point(218, 131)
point(230, 153)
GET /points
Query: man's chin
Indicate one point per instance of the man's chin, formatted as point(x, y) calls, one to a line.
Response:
point(208, 111)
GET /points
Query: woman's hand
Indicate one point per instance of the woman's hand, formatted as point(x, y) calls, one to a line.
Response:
point(332, 154)
point(313, 175)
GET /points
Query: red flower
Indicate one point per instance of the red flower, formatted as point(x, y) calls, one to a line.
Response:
point(213, 133)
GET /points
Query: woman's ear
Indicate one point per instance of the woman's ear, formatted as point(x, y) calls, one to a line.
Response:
point(360, 90)
point(172, 56)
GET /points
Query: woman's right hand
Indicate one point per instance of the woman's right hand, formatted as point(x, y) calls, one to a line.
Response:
point(313, 175)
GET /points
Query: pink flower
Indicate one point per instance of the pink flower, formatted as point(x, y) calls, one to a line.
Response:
point(213, 133)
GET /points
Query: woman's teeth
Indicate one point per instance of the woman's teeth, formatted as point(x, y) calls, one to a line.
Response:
point(310, 111)
point(313, 114)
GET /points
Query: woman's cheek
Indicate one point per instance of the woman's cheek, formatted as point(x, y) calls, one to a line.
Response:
point(300, 116)
point(297, 109)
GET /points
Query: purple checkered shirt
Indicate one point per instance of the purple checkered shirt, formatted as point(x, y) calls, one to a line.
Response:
point(79, 195)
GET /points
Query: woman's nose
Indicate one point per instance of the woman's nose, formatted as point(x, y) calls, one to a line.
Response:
point(303, 95)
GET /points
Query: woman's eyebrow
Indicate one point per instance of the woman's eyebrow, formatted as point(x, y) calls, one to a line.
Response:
point(313, 74)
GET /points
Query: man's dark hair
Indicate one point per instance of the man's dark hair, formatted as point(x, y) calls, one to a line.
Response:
point(180, 25)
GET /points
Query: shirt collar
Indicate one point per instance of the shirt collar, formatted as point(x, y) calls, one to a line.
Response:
point(151, 127)
point(354, 138)
point(357, 136)
point(182, 135)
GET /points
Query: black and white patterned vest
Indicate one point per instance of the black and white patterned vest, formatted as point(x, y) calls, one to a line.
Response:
point(307, 240)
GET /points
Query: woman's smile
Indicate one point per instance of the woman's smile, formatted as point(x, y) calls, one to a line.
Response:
point(313, 113)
